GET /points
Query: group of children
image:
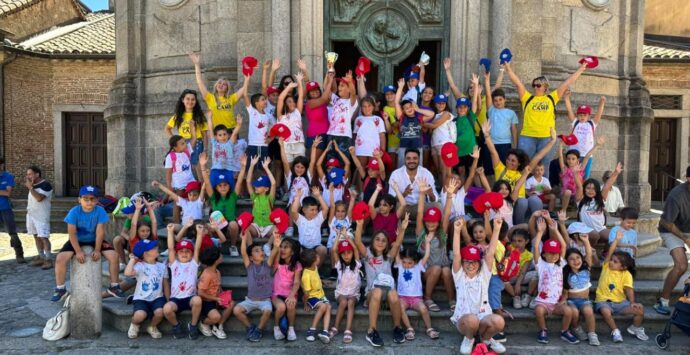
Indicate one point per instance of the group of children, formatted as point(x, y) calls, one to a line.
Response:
point(283, 252)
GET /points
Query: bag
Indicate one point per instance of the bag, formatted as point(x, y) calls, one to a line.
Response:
point(482, 349)
point(109, 203)
point(509, 267)
point(384, 280)
point(58, 327)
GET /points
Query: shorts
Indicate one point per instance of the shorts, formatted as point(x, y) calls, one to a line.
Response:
point(615, 307)
point(263, 231)
point(196, 150)
point(207, 307)
point(260, 151)
point(250, 305)
point(384, 292)
point(347, 297)
point(410, 301)
point(183, 304)
point(315, 302)
point(579, 303)
point(37, 228)
point(550, 307)
point(294, 150)
point(671, 241)
point(105, 246)
point(321, 146)
point(148, 306)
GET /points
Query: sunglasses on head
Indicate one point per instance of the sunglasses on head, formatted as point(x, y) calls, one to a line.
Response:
point(536, 85)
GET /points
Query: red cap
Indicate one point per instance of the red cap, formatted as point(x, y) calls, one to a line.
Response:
point(471, 253)
point(191, 186)
point(363, 66)
point(345, 245)
point(206, 242)
point(387, 160)
point(584, 109)
point(373, 164)
point(552, 246)
point(280, 130)
point(360, 211)
point(449, 154)
point(333, 162)
point(280, 219)
point(592, 61)
point(312, 85)
point(487, 200)
point(346, 80)
point(244, 220)
point(272, 90)
point(184, 244)
point(570, 139)
point(248, 65)
point(433, 214)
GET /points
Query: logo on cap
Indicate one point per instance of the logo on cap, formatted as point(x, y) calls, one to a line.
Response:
point(276, 220)
point(473, 251)
point(90, 188)
point(240, 222)
point(432, 212)
point(333, 174)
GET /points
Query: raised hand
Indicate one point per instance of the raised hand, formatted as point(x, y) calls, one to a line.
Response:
point(266, 163)
point(401, 83)
point(275, 65)
point(292, 85)
point(567, 93)
point(243, 160)
point(267, 64)
point(423, 185)
point(486, 127)
point(300, 77)
point(351, 149)
point(348, 76)
point(155, 183)
point(317, 140)
point(480, 171)
point(277, 239)
point(429, 237)
point(452, 186)
point(394, 184)
point(405, 220)
point(554, 136)
point(255, 160)
point(584, 238)
point(459, 223)
point(239, 120)
point(138, 203)
point(199, 227)
point(170, 227)
point(541, 225)
point(498, 222)
point(379, 187)
point(475, 152)
point(446, 63)
point(619, 234)
point(562, 216)
point(475, 79)
point(203, 159)
point(302, 65)
point(601, 140)
point(194, 56)
point(315, 191)
point(619, 168)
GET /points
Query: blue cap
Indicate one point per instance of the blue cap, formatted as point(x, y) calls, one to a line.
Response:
point(88, 190)
point(506, 56)
point(440, 98)
point(389, 88)
point(143, 246)
point(486, 62)
point(462, 101)
point(336, 176)
point(262, 181)
point(221, 175)
point(413, 75)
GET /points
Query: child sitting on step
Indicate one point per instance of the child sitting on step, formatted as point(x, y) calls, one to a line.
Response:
point(152, 280)
point(214, 310)
point(192, 204)
point(310, 220)
point(316, 298)
point(345, 258)
point(628, 244)
point(286, 281)
point(262, 193)
point(576, 284)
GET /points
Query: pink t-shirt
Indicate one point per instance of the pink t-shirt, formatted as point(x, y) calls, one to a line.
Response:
point(389, 224)
point(284, 279)
point(317, 119)
point(568, 179)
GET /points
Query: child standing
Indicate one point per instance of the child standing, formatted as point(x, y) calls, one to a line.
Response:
point(411, 118)
point(339, 217)
point(208, 287)
point(290, 114)
point(464, 126)
point(222, 144)
point(344, 103)
point(386, 216)
point(443, 130)
point(370, 132)
point(260, 122)
point(628, 243)
point(374, 175)
point(504, 121)
point(572, 160)
point(262, 192)
point(345, 258)
point(391, 120)
point(37, 213)
point(584, 126)
point(310, 221)
point(577, 284)
point(538, 185)
point(286, 282)
point(178, 169)
point(152, 279)
point(316, 298)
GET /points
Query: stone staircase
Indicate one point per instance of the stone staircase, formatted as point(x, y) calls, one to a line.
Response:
point(59, 208)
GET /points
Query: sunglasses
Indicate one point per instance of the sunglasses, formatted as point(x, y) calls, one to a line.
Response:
point(536, 85)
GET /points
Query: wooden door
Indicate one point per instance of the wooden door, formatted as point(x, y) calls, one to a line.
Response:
point(85, 151)
point(662, 157)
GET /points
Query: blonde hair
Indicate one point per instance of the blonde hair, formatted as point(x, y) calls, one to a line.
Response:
point(215, 91)
point(541, 80)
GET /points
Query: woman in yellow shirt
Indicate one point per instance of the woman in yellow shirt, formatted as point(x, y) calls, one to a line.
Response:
point(222, 101)
point(190, 124)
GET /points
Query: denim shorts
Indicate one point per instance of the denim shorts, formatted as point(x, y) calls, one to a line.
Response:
point(183, 304)
point(615, 307)
point(148, 306)
point(579, 302)
point(250, 305)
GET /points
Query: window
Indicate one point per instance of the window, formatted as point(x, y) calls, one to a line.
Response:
point(667, 102)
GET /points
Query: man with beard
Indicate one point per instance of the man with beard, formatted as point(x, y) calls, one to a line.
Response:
point(38, 215)
point(406, 178)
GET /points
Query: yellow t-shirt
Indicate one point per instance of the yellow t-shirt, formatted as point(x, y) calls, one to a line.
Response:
point(393, 139)
point(498, 255)
point(512, 176)
point(540, 114)
point(311, 284)
point(184, 130)
point(525, 258)
point(481, 117)
point(223, 111)
point(612, 284)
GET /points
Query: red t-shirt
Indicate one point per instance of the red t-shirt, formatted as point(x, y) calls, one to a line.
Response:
point(387, 223)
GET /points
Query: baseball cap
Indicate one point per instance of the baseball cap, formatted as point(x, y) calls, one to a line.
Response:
point(280, 219)
point(262, 181)
point(463, 101)
point(493, 199)
point(184, 244)
point(506, 56)
point(192, 186)
point(334, 162)
point(578, 227)
point(552, 246)
point(471, 253)
point(88, 190)
point(570, 139)
point(312, 85)
point(433, 214)
point(345, 245)
point(244, 220)
point(248, 65)
point(449, 154)
point(272, 90)
point(360, 211)
point(221, 175)
point(440, 98)
point(585, 109)
point(486, 62)
point(336, 176)
point(389, 88)
point(280, 130)
point(592, 61)
point(373, 164)
point(143, 246)
point(413, 75)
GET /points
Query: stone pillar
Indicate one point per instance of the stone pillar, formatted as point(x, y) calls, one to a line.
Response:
point(280, 43)
point(465, 41)
point(85, 309)
point(500, 33)
point(311, 37)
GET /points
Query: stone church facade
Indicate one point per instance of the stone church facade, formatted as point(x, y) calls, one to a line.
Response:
point(547, 37)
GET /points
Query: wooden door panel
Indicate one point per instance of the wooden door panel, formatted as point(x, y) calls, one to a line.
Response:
point(662, 156)
point(85, 151)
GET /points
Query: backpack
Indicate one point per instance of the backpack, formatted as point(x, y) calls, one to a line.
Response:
point(58, 327)
point(577, 122)
point(109, 203)
point(509, 266)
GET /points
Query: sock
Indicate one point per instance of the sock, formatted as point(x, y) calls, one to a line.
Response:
point(47, 254)
point(60, 287)
point(663, 301)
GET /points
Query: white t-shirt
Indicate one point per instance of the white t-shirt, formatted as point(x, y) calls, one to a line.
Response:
point(458, 207)
point(294, 122)
point(472, 294)
point(333, 227)
point(591, 217)
point(337, 192)
point(368, 129)
point(550, 281)
point(537, 186)
point(270, 108)
point(614, 200)
point(40, 211)
point(444, 133)
point(183, 279)
point(410, 280)
point(149, 280)
point(401, 177)
point(341, 116)
point(310, 231)
point(300, 183)
point(181, 171)
point(222, 154)
point(584, 131)
point(259, 125)
point(413, 94)
point(191, 209)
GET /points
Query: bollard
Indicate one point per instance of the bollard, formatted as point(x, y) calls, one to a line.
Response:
point(85, 311)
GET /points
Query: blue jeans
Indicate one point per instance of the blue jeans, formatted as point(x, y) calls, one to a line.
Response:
point(588, 168)
point(532, 145)
point(495, 288)
point(524, 207)
point(197, 149)
point(164, 211)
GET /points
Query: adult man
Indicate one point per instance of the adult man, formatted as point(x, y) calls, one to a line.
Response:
point(38, 215)
point(6, 186)
point(406, 178)
point(674, 227)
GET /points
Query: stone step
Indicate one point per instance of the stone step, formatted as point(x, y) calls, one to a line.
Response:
point(55, 203)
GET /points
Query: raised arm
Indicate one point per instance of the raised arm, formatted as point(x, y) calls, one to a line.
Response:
point(398, 97)
point(449, 76)
point(553, 230)
point(319, 163)
point(296, 204)
point(600, 110)
point(277, 239)
point(562, 228)
point(325, 97)
point(358, 164)
point(499, 77)
point(427, 249)
point(361, 87)
point(475, 93)
point(250, 174)
point(423, 189)
point(614, 245)
point(283, 156)
point(612, 180)
point(515, 80)
point(569, 105)
point(486, 130)
point(196, 60)
point(173, 196)
point(275, 65)
point(280, 105)
point(138, 204)
point(358, 237)
point(541, 228)
point(483, 180)
point(422, 72)
point(458, 226)
point(402, 203)
point(561, 162)
point(487, 89)
point(351, 85)
point(302, 65)
point(473, 168)
point(344, 159)
point(171, 242)
point(264, 80)
point(372, 201)
point(491, 250)
point(395, 247)
point(240, 176)
point(203, 159)
point(571, 79)
point(243, 249)
point(238, 127)
point(324, 207)
point(601, 140)
point(243, 90)
point(300, 92)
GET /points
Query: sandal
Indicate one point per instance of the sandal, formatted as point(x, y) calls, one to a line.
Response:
point(452, 306)
point(333, 332)
point(347, 337)
point(409, 334)
point(432, 306)
point(432, 333)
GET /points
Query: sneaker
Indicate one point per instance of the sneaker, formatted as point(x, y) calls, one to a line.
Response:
point(116, 291)
point(154, 332)
point(193, 331)
point(374, 338)
point(495, 346)
point(133, 331)
point(323, 336)
point(218, 331)
point(291, 336)
point(543, 337)
point(662, 308)
point(638, 332)
point(58, 294)
point(533, 303)
point(21, 260)
point(567, 336)
point(289, 232)
point(517, 303)
point(37, 261)
point(593, 339)
point(251, 333)
point(205, 329)
point(278, 334)
point(580, 334)
point(616, 336)
point(525, 300)
point(398, 335)
point(466, 346)
point(47, 264)
point(500, 337)
point(233, 252)
point(129, 299)
point(122, 267)
point(311, 334)
point(178, 332)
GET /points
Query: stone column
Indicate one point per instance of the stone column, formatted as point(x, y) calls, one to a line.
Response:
point(465, 39)
point(280, 42)
point(501, 23)
point(311, 37)
point(85, 311)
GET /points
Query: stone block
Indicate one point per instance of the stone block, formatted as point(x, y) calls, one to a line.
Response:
point(85, 309)
point(252, 17)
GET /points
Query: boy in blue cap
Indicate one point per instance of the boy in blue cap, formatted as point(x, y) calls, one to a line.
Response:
point(415, 83)
point(464, 123)
point(262, 192)
point(152, 279)
point(86, 227)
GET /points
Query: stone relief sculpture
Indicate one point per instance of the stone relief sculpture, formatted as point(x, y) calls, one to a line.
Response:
point(386, 32)
point(428, 10)
point(346, 10)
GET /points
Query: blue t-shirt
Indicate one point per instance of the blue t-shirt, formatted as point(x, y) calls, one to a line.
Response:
point(579, 280)
point(86, 222)
point(502, 119)
point(6, 180)
point(237, 151)
point(222, 154)
point(410, 132)
point(629, 237)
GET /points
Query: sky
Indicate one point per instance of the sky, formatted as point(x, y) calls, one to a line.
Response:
point(96, 5)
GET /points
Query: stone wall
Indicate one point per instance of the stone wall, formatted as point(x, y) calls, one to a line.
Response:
point(39, 17)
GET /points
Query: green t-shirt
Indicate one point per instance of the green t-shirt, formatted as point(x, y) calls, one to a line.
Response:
point(465, 127)
point(261, 209)
point(226, 205)
point(128, 222)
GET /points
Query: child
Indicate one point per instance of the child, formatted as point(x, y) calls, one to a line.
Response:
point(538, 185)
point(190, 124)
point(464, 126)
point(584, 127)
point(411, 119)
point(335, 174)
point(259, 287)
point(222, 144)
point(260, 123)
point(472, 276)
point(193, 228)
point(504, 121)
point(386, 216)
point(290, 114)
point(339, 217)
point(443, 130)
point(509, 194)
point(178, 169)
point(130, 234)
point(142, 229)
point(615, 292)
point(192, 204)
point(572, 160)
point(344, 102)
point(316, 111)
point(391, 120)
point(152, 279)
point(86, 227)
point(299, 175)
point(370, 132)
point(527, 275)
point(208, 288)
point(268, 77)
point(262, 192)
point(183, 260)
point(575, 236)
point(550, 266)
point(286, 281)
point(590, 197)
point(415, 83)
point(458, 202)
point(375, 173)
point(310, 221)
point(577, 284)
point(345, 259)
point(614, 200)
point(221, 102)
point(316, 298)
point(628, 243)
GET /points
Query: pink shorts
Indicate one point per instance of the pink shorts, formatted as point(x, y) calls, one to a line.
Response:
point(550, 307)
point(410, 301)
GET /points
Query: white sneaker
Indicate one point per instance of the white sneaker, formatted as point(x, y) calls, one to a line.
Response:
point(466, 346)
point(234, 252)
point(579, 333)
point(277, 334)
point(267, 249)
point(154, 332)
point(616, 336)
point(218, 332)
point(133, 331)
point(495, 346)
point(517, 303)
point(122, 267)
point(205, 329)
point(593, 339)
point(289, 232)
point(533, 303)
point(525, 300)
point(638, 332)
point(291, 334)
